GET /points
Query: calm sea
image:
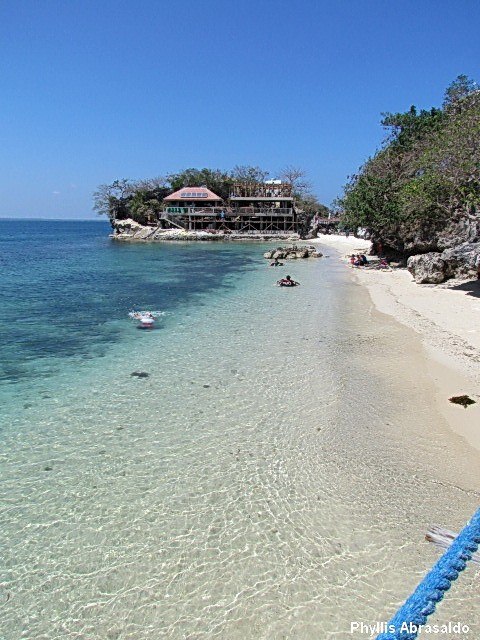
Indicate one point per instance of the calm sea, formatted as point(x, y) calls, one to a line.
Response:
point(266, 478)
point(67, 289)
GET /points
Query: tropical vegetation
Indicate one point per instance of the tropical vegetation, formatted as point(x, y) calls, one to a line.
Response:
point(426, 174)
point(141, 200)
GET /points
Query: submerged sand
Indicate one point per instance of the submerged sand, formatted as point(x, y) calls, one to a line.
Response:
point(272, 478)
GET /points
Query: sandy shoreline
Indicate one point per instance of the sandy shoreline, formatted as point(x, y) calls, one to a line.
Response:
point(447, 318)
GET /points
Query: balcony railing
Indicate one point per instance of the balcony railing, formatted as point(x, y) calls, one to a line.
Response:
point(255, 190)
point(229, 212)
point(185, 211)
point(262, 211)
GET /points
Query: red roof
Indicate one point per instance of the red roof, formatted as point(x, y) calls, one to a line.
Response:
point(193, 193)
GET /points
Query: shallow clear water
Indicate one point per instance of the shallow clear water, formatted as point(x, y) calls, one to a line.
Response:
point(272, 477)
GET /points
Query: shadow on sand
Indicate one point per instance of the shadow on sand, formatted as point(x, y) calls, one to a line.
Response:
point(472, 288)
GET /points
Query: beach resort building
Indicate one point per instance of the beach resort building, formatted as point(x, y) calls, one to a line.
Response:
point(264, 208)
point(192, 207)
point(252, 208)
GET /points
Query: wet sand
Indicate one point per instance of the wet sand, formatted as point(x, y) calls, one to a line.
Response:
point(447, 320)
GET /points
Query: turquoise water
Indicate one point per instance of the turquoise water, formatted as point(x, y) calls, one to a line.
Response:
point(66, 289)
point(266, 480)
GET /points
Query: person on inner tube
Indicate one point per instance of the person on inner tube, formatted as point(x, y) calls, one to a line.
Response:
point(287, 282)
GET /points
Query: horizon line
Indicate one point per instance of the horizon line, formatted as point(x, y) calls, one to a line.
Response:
point(97, 219)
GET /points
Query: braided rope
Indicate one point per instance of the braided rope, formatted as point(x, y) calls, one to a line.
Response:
point(431, 590)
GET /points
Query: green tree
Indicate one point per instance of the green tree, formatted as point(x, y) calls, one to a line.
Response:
point(218, 181)
point(426, 173)
point(143, 207)
point(112, 199)
point(460, 88)
point(312, 206)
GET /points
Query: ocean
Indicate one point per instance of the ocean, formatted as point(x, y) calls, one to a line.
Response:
point(270, 475)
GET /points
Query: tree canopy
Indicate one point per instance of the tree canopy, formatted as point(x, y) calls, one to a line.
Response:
point(427, 170)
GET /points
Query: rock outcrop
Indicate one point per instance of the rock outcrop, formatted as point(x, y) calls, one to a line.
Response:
point(292, 253)
point(455, 262)
point(435, 252)
point(424, 238)
point(129, 230)
point(462, 261)
point(427, 268)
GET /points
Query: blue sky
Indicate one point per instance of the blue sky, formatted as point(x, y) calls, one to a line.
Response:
point(92, 91)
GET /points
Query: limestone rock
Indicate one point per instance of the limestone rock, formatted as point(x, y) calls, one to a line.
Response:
point(427, 268)
point(127, 224)
point(292, 253)
point(461, 261)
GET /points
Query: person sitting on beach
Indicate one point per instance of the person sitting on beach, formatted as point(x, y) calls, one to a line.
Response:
point(384, 264)
point(352, 259)
point(358, 261)
point(363, 258)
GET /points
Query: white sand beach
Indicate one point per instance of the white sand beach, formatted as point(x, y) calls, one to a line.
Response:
point(447, 317)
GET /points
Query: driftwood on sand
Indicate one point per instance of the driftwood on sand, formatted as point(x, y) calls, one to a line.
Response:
point(443, 539)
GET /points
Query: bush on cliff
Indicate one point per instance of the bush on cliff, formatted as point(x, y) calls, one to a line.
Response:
point(421, 191)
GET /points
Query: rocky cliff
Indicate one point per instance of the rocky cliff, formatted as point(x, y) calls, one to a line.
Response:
point(436, 253)
point(130, 231)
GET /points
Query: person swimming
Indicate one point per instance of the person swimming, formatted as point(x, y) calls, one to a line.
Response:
point(287, 282)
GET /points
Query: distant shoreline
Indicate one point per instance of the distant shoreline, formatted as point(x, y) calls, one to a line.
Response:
point(12, 219)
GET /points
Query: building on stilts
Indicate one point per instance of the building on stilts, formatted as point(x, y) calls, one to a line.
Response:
point(253, 208)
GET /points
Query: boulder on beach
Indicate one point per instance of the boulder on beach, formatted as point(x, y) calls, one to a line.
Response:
point(456, 262)
point(462, 261)
point(427, 268)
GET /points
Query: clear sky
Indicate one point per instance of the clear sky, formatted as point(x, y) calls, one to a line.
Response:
point(94, 90)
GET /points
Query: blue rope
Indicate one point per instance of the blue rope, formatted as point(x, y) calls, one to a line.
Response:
point(404, 625)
